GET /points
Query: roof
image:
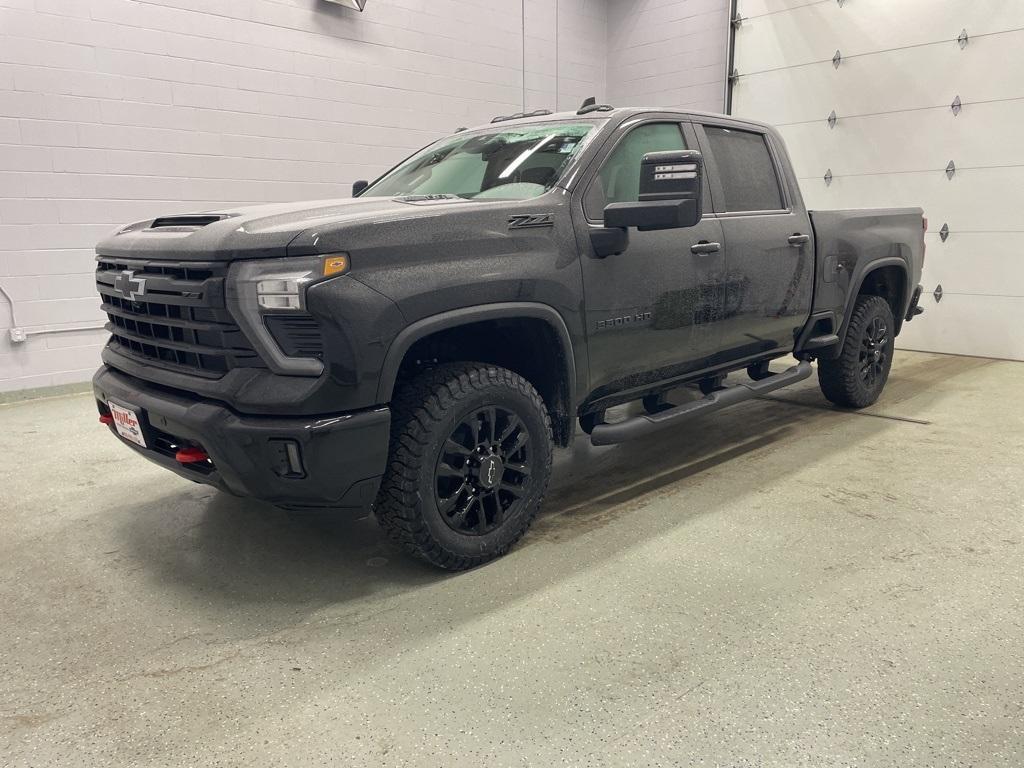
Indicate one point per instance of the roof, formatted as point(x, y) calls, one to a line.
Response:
point(620, 112)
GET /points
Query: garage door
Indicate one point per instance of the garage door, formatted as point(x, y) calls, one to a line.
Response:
point(916, 102)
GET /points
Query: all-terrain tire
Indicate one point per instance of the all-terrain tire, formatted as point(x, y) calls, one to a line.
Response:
point(856, 378)
point(436, 417)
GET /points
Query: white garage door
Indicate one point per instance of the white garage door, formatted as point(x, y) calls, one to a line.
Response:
point(909, 98)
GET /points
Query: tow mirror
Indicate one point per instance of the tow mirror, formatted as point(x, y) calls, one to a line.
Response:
point(359, 186)
point(671, 187)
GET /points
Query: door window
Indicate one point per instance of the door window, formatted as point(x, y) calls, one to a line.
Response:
point(619, 179)
point(745, 169)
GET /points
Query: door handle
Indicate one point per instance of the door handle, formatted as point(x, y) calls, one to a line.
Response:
point(705, 247)
point(797, 240)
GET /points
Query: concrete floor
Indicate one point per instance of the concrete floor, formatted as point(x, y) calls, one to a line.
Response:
point(782, 585)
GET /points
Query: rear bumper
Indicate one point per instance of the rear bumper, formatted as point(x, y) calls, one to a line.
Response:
point(340, 457)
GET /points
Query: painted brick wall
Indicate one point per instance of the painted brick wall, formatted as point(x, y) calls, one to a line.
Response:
point(668, 53)
point(118, 110)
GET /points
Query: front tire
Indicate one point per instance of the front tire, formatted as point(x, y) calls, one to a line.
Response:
point(470, 460)
point(856, 378)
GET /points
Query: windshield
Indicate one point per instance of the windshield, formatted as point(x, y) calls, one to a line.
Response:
point(503, 164)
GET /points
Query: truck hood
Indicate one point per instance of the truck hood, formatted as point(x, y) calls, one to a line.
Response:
point(267, 231)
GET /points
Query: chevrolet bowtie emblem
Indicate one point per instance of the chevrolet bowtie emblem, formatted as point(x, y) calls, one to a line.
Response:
point(130, 286)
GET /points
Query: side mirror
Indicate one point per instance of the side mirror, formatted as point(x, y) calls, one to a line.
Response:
point(671, 188)
point(359, 186)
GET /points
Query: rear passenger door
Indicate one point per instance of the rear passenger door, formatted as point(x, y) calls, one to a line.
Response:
point(769, 263)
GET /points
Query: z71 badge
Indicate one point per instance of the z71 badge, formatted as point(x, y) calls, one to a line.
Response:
point(529, 220)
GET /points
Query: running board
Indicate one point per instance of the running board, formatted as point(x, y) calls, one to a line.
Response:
point(644, 424)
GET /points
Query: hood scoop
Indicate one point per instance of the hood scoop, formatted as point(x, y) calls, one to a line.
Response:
point(185, 222)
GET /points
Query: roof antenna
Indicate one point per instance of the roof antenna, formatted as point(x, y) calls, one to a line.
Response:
point(588, 102)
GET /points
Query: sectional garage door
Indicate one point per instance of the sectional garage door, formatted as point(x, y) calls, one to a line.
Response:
point(926, 100)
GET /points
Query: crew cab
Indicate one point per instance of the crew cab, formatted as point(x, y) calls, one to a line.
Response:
point(418, 350)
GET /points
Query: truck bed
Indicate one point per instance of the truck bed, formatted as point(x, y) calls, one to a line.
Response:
point(848, 240)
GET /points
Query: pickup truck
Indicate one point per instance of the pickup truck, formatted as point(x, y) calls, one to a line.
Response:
point(419, 350)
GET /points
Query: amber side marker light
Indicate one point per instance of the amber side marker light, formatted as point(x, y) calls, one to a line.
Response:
point(336, 264)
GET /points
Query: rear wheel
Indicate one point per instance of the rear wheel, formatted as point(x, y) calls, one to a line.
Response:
point(470, 460)
point(856, 378)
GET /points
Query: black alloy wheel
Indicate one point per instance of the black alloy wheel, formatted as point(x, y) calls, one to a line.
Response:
point(483, 470)
point(874, 353)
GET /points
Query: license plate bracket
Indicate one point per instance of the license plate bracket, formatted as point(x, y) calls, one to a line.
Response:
point(127, 423)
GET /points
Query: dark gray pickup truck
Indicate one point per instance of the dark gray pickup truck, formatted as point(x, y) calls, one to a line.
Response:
point(419, 350)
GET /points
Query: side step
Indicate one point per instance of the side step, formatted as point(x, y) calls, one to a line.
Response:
point(644, 424)
point(817, 342)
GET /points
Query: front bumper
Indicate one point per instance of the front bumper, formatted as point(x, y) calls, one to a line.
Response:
point(341, 457)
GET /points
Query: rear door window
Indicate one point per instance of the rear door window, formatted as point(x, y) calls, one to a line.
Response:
point(747, 173)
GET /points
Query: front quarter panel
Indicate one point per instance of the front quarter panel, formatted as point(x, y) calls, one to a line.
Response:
point(479, 254)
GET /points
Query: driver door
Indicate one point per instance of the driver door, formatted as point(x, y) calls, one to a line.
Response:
point(653, 311)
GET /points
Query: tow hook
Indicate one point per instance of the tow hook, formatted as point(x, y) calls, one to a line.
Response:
point(191, 456)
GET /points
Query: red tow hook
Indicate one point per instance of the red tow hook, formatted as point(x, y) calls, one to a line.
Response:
point(106, 418)
point(191, 455)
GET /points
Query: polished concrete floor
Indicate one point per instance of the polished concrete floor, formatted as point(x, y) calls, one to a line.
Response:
point(784, 584)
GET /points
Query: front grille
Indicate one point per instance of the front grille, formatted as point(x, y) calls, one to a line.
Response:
point(176, 320)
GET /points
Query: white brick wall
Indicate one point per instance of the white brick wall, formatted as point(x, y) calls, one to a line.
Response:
point(117, 110)
point(668, 53)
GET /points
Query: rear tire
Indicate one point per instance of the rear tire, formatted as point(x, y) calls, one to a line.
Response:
point(470, 459)
point(856, 378)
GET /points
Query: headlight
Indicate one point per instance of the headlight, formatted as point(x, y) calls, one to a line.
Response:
point(283, 285)
point(269, 286)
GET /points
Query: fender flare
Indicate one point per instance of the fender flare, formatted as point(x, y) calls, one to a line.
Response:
point(858, 283)
point(454, 318)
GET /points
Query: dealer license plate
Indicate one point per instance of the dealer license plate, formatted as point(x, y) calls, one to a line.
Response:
point(126, 422)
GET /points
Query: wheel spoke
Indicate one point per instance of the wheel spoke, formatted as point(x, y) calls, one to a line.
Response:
point(522, 469)
point(459, 518)
point(448, 504)
point(473, 422)
point(444, 469)
point(490, 421)
point(521, 440)
point(499, 510)
point(516, 490)
point(450, 446)
point(481, 515)
point(506, 433)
